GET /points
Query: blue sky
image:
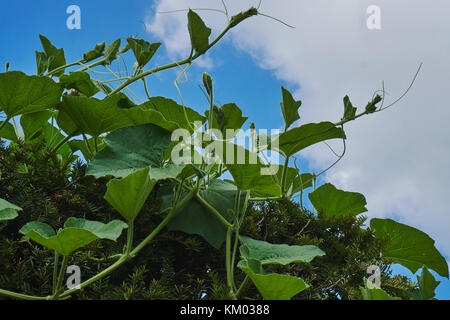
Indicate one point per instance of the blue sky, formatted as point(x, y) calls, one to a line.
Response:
point(238, 75)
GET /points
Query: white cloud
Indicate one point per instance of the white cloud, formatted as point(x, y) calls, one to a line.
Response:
point(399, 159)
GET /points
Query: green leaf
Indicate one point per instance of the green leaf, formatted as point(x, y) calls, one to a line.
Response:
point(229, 116)
point(173, 112)
point(267, 253)
point(111, 52)
point(371, 292)
point(66, 124)
point(33, 123)
point(111, 231)
point(94, 116)
point(198, 32)
point(297, 139)
point(143, 50)
point(409, 246)
point(427, 286)
point(349, 109)
point(333, 202)
point(55, 57)
point(196, 219)
point(65, 242)
point(41, 62)
point(128, 150)
point(8, 132)
point(289, 107)
point(22, 94)
point(97, 52)
point(80, 81)
point(129, 194)
point(246, 168)
point(8, 211)
point(272, 286)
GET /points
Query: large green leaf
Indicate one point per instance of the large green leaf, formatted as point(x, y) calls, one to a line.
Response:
point(76, 234)
point(183, 116)
point(130, 149)
point(8, 211)
point(289, 107)
point(372, 292)
point(129, 194)
point(333, 202)
point(194, 218)
point(272, 286)
point(65, 242)
point(198, 32)
point(33, 123)
point(111, 231)
point(427, 286)
point(143, 50)
point(94, 116)
point(246, 168)
point(21, 94)
point(297, 139)
point(80, 81)
point(55, 56)
point(267, 253)
point(409, 246)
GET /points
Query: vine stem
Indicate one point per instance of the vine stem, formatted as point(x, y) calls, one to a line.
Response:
point(62, 271)
point(242, 286)
point(133, 253)
point(283, 177)
point(55, 271)
point(64, 67)
point(21, 296)
point(175, 64)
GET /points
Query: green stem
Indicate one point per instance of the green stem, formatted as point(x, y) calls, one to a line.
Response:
point(20, 296)
point(95, 145)
point(228, 262)
point(213, 211)
point(55, 272)
point(163, 223)
point(96, 277)
point(64, 67)
point(176, 64)
point(283, 177)
point(62, 271)
point(86, 142)
point(242, 286)
point(92, 65)
point(129, 237)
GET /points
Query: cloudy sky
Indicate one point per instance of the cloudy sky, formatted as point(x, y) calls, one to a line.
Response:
point(399, 159)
